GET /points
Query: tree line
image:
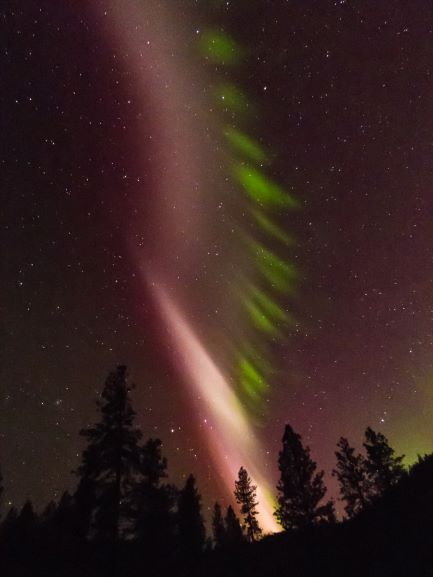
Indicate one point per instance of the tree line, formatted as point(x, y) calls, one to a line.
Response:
point(123, 501)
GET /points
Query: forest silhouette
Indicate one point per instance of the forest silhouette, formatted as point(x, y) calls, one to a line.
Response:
point(125, 519)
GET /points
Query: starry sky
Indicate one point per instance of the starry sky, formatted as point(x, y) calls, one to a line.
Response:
point(111, 174)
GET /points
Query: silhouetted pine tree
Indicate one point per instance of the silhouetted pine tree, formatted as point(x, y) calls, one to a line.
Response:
point(110, 461)
point(153, 502)
point(10, 521)
point(9, 534)
point(65, 517)
point(48, 530)
point(57, 532)
point(218, 527)
point(234, 535)
point(48, 512)
point(245, 494)
point(300, 488)
point(190, 525)
point(384, 468)
point(352, 474)
point(26, 525)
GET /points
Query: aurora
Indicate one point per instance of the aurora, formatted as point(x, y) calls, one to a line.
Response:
point(231, 394)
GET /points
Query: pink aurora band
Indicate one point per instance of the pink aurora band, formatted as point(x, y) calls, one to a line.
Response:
point(153, 41)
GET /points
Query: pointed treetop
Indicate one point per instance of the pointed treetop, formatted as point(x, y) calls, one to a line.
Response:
point(301, 489)
point(245, 494)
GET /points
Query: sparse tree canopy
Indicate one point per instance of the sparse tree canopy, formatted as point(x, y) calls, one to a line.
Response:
point(245, 494)
point(352, 474)
point(383, 466)
point(301, 489)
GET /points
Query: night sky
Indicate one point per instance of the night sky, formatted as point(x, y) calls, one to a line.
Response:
point(112, 176)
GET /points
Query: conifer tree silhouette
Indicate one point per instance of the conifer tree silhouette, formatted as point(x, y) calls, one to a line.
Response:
point(65, 518)
point(352, 474)
point(384, 467)
point(10, 521)
point(25, 525)
point(218, 527)
point(301, 489)
point(111, 458)
point(9, 530)
point(153, 501)
point(245, 494)
point(234, 535)
point(191, 529)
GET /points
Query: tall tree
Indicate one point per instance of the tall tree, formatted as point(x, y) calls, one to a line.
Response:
point(9, 531)
point(153, 500)
point(26, 524)
point(111, 458)
point(245, 494)
point(234, 534)
point(218, 527)
point(191, 530)
point(301, 489)
point(10, 521)
point(352, 474)
point(58, 529)
point(65, 518)
point(384, 467)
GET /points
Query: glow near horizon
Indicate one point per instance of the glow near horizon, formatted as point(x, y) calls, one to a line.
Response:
point(231, 439)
